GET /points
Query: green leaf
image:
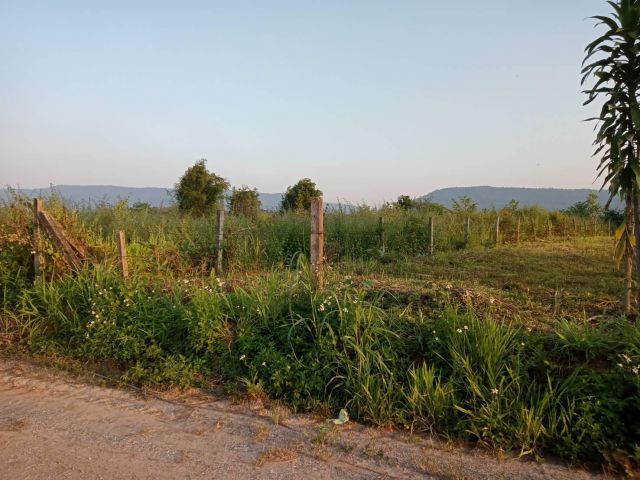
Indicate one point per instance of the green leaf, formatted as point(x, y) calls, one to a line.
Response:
point(635, 115)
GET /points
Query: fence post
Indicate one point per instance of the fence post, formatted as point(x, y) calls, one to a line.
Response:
point(430, 235)
point(381, 232)
point(518, 231)
point(122, 254)
point(219, 239)
point(317, 238)
point(498, 229)
point(467, 231)
point(38, 259)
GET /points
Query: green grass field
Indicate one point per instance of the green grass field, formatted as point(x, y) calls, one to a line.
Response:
point(533, 282)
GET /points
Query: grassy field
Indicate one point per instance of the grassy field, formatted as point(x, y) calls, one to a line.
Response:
point(534, 282)
point(515, 347)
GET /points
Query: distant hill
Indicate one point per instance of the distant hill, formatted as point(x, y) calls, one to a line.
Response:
point(498, 197)
point(91, 195)
point(486, 197)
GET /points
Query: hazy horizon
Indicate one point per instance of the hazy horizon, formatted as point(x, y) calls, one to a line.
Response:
point(369, 99)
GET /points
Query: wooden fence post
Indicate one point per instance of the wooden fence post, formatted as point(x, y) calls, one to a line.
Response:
point(498, 229)
point(122, 254)
point(518, 231)
point(430, 235)
point(381, 232)
point(219, 239)
point(317, 238)
point(467, 231)
point(38, 259)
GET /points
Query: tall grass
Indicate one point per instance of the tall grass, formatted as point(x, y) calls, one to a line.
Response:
point(165, 241)
point(571, 390)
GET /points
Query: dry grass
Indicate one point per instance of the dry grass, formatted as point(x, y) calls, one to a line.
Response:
point(288, 454)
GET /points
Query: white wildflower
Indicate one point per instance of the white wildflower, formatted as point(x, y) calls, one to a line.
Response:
point(459, 330)
point(494, 391)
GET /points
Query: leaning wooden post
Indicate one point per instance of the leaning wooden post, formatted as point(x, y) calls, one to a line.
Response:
point(430, 235)
point(381, 232)
point(498, 229)
point(122, 254)
point(467, 231)
point(518, 231)
point(219, 239)
point(317, 238)
point(38, 259)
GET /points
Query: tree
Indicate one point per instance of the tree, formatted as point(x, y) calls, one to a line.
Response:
point(464, 204)
point(406, 202)
point(199, 190)
point(298, 197)
point(587, 209)
point(245, 201)
point(612, 62)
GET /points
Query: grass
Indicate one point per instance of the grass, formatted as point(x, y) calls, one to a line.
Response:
point(536, 281)
point(516, 348)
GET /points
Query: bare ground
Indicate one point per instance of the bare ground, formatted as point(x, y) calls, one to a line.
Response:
point(54, 425)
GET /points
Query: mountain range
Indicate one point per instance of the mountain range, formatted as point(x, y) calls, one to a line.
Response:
point(484, 196)
point(498, 197)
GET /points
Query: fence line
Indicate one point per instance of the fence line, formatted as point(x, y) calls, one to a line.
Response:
point(253, 244)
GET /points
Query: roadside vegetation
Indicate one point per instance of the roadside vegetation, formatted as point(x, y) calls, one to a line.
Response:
point(518, 347)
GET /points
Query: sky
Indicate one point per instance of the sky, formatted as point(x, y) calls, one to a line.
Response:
point(370, 99)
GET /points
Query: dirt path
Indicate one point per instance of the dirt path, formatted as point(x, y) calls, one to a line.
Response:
point(55, 426)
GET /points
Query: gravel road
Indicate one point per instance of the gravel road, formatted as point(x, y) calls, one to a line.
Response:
point(57, 426)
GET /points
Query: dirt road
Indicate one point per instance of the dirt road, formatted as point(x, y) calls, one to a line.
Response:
point(55, 426)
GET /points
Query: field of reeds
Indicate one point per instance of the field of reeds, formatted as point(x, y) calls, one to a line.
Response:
point(519, 347)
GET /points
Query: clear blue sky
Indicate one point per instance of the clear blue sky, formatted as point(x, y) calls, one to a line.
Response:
point(371, 99)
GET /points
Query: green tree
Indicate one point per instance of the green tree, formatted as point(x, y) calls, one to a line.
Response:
point(587, 209)
point(199, 190)
point(298, 197)
point(245, 201)
point(464, 204)
point(612, 65)
point(406, 202)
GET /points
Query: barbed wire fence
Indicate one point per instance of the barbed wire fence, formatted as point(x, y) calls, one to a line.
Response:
point(228, 247)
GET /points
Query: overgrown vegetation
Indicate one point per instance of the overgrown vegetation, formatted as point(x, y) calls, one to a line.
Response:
point(570, 389)
point(441, 358)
